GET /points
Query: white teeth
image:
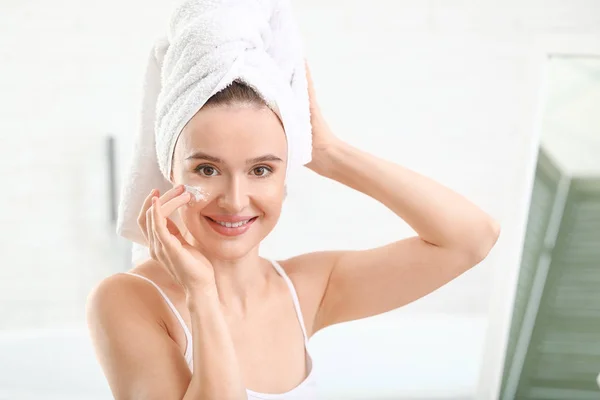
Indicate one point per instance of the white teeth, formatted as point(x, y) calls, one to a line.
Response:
point(232, 224)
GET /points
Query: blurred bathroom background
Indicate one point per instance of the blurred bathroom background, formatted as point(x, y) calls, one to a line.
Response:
point(554, 346)
point(499, 100)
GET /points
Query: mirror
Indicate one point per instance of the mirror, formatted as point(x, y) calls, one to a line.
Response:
point(553, 350)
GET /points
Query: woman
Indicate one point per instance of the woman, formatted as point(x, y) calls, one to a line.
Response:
point(249, 318)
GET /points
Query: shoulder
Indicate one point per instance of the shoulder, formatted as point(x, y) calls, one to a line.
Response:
point(126, 324)
point(123, 311)
point(115, 295)
point(120, 296)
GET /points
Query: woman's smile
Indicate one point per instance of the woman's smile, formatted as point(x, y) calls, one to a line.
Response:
point(230, 225)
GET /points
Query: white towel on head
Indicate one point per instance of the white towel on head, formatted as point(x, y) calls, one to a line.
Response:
point(210, 44)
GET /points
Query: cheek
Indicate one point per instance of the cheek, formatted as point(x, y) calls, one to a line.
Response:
point(270, 200)
point(270, 192)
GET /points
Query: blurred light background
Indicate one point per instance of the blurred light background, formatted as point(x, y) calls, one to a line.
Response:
point(454, 89)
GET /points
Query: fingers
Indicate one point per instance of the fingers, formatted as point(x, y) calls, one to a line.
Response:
point(171, 194)
point(156, 220)
point(159, 223)
point(308, 75)
point(164, 241)
point(164, 231)
point(142, 217)
point(312, 96)
point(170, 206)
point(167, 197)
point(153, 219)
point(156, 228)
point(150, 229)
point(175, 231)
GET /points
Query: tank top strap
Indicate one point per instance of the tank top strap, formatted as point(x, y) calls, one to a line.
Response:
point(188, 335)
point(295, 299)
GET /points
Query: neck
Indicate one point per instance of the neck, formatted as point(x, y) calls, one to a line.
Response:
point(240, 281)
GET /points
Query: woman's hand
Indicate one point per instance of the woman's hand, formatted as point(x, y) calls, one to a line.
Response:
point(322, 137)
point(185, 263)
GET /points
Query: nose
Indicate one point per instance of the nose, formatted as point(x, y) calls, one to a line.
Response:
point(234, 197)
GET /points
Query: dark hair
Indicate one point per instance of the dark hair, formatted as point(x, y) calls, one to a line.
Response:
point(237, 92)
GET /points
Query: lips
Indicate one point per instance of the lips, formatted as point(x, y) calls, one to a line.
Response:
point(231, 226)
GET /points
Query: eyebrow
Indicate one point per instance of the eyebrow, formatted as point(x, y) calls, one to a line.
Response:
point(199, 155)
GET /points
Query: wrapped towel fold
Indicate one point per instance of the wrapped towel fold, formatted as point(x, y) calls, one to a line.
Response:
point(210, 44)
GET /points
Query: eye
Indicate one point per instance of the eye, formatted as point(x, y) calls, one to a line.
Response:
point(206, 170)
point(262, 171)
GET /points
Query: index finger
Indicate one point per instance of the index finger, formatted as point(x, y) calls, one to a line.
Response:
point(170, 194)
point(170, 206)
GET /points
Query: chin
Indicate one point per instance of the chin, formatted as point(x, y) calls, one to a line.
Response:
point(228, 251)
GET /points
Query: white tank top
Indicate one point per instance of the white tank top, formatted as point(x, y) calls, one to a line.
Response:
point(306, 390)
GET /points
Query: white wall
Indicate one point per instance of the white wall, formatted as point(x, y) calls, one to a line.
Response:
point(441, 86)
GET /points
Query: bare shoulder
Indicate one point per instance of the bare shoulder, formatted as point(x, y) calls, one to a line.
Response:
point(118, 293)
point(310, 274)
point(114, 303)
point(132, 342)
point(125, 292)
point(121, 297)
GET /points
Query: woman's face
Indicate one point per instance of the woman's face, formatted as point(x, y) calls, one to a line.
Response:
point(237, 155)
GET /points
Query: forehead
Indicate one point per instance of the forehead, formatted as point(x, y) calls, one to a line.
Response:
point(236, 128)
